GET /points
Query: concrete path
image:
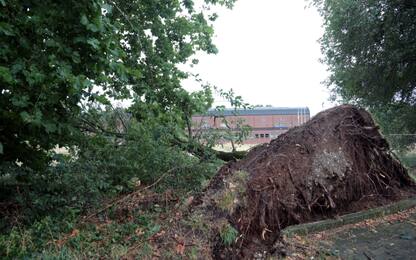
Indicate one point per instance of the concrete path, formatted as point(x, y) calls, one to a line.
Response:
point(389, 237)
point(394, 239)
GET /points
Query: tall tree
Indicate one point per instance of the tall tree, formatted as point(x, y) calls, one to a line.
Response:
point(57, 55)
point(370, 48)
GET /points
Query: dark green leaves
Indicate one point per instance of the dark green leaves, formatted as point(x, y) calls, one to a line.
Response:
point(59, 53)
point(5, 75)
point(94, 43)
point(370, 48)
point(20, 101)
point(6, 29)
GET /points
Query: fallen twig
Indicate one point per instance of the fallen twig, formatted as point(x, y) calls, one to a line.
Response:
point(112, 203)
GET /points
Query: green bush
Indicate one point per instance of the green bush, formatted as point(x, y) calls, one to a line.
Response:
point(42, 205)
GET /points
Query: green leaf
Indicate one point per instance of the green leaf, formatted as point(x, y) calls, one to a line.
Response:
point(25, 116)
point(108, 8)
point(64, 71)
point(17, 67)
point(94, 43)
point(20, 101)
point(50, 127)
point(6, 29)
point(136, 73)
point(1, 148)
point(5, 75)
point(51, 43)
point(76, 57)
point(38, 118)
point(102, 99)
point(84, 20)
point(92, 27)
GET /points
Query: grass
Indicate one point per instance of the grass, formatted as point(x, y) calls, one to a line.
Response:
point(409, 160)
point(105, 236)
point(233, 194)
point(197, 221)
point(228, 234)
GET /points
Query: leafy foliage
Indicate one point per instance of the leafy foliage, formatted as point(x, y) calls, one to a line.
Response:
point(395, 121)
point(50, 202)
point(370, 48)
point(62, 67)
point(55, 56)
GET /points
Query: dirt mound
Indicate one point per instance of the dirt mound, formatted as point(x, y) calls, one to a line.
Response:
point(338, 162)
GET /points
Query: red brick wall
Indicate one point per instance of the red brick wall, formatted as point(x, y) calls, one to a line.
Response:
point(260, 124)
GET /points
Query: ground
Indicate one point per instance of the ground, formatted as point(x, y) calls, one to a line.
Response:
point(226, 147)
point(390, 237)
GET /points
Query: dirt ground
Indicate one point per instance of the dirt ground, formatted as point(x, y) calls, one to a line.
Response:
point(390, 237)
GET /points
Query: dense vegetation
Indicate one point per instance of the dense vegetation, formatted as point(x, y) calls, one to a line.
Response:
point(40, 207)
point(63, 66)
point(370, 48)
point(57, 59)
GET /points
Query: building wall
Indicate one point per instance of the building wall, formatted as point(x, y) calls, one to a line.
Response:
point(264, 127)
point(255, 121)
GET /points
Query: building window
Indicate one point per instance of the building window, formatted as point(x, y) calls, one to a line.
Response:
point(267, 135)
point(257, 135)
point(281, 125)
point(261, 135)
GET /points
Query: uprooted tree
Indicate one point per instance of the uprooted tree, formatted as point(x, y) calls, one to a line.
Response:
point(338, 162)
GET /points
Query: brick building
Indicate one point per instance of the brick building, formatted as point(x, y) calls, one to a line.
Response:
point(266, 122)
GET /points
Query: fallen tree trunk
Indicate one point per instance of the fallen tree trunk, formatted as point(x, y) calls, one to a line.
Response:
point(230, 156)
point(336, 163)
point(199, 150)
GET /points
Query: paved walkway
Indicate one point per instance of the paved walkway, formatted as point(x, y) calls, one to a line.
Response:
point(390, 237)
point(394, 239)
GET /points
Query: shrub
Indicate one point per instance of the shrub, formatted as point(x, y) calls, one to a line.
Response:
point(43, 204)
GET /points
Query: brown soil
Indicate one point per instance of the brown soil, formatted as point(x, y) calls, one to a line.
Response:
point(338, 162)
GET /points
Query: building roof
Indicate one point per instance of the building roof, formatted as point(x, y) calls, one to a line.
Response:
point(260, 111)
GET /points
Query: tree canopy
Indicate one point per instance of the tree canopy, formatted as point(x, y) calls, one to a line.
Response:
point(370, 48)
point(58, 57)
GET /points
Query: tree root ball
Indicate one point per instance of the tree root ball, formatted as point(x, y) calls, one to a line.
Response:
point(336, 163)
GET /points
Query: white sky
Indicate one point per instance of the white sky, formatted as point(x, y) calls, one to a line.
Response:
point(269, 54)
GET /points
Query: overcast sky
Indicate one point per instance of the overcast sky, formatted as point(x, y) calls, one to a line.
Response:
point(269, 54)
